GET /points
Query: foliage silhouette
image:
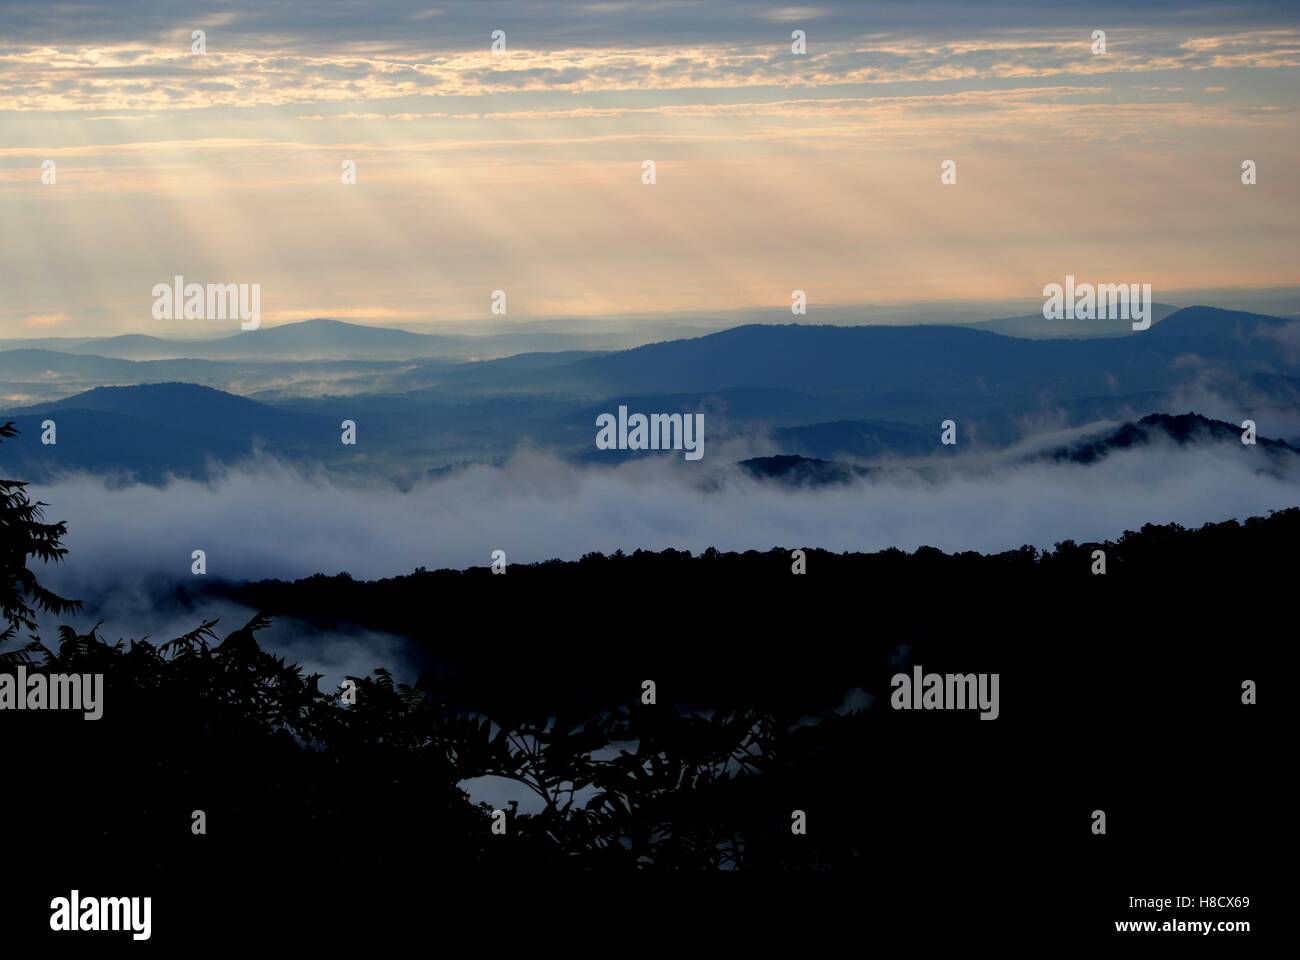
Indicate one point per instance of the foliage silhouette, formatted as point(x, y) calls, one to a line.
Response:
point(23, 535)
point(770, 702)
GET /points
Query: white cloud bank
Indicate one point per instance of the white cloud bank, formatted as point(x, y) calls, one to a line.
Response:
point(272, 520)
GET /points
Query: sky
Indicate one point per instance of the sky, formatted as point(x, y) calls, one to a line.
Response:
point(522, 170)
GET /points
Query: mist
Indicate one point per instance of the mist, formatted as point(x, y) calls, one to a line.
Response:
point(131, 545)
point(268, 519)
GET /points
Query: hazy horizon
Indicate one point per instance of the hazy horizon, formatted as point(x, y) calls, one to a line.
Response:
point(1283, 301)
point(521, 170)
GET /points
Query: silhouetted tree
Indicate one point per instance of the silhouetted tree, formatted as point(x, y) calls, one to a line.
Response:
point(745, 732)
point(23, 536)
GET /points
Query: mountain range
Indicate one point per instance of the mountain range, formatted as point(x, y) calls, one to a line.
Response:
point(321, 339)
point(817, 392)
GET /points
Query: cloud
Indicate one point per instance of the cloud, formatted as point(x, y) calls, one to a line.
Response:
point(130, 546)
point(139, 606)
point(141, 76)
point(1230, 398)
point(45, 321)
point(271, 520)
point(794, 14)
point(388, 25)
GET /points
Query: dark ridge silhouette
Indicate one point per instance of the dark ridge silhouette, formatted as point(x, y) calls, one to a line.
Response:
point(173, 403)
point(774, 696)
point(150, 431)
point(821, 392)
point(802, 471)
point(711, 594)
point(933, 359)
point(1182, 429)
point(751, 721)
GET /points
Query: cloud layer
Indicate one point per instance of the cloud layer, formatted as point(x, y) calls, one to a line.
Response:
point(270, 520)
point(151, 77)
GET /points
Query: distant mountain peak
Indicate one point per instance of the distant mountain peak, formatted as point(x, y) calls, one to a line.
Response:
point(1181, 428)
point(801, 471)
point(147, 397)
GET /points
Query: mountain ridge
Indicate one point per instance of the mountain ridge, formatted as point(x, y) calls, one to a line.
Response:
point(1181, 429)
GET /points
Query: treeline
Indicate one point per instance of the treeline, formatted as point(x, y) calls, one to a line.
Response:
point(727, 630)
point(772, 699)
point(287, 774)
point(342, 779)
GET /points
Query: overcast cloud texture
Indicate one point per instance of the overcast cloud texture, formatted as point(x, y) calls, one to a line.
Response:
point(521, 170)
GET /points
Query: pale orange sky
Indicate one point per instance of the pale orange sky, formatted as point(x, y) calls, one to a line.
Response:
point(522, 171)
